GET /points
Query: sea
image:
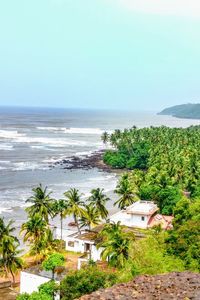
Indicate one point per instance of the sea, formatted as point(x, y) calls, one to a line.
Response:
point(33, 139)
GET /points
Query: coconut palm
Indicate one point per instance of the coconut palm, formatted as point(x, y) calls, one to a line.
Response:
point(37, 233)
point(75, 205)
point(98, 199)
point(41, 203)
point(10, 261)
point(60, 208)
point(116, 243)
point(105, 137)
point(91, 218)
point(124, 189)
point(6, 230)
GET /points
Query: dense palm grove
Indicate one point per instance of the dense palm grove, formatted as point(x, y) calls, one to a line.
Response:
point(166, 162)
point(161, 164)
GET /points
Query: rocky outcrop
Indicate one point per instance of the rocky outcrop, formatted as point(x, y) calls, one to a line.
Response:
point(172, 286)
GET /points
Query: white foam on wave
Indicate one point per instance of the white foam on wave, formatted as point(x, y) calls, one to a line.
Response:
point(52, 142)
point(84, 153)
point(23, 166)
point(104, 178)
point(48, 128)
point(10, 134)
point(6, 147)
point(73, 130)
point(42, 147)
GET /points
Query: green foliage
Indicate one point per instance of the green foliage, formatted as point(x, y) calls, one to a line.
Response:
point(10, 262)
point(184, 240)
point(38, 234)
point(91, 218)
point(168, 158)
point(75, 205)
point(98, 200)
point(115, 159)
point(23, 296)
point(49, 288)
point(85, 281)
point(188, 111)
point(46, 292)
point(115, 243)
point(125, 190)
point(41, 203)
point(53, 261)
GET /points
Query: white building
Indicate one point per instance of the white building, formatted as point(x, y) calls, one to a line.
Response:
point(136, 215)
point(84, 243)
point(30, 282)
point(142, 214)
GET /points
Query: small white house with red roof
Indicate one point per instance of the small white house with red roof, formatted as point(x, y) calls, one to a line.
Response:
point(142, 214)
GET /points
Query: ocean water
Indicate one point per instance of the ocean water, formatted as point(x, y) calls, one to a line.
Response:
point(32, 139)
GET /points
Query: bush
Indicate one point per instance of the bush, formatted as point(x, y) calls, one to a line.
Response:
point(85, 281)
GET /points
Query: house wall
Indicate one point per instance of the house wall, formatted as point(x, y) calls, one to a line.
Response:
point(96, 253)
point(30, 283)
point(65, 233)
point(130, 219)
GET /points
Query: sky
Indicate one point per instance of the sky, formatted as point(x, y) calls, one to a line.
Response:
point(110, 54)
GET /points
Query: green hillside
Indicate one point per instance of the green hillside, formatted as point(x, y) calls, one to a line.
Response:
point(189, 111)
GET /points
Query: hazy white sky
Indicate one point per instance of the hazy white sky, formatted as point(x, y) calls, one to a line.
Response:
point(165, 7)
point(135, 54)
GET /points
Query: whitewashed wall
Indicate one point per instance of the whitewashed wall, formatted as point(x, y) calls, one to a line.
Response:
point(30, 283)
point(96, 253)
point(130, 219)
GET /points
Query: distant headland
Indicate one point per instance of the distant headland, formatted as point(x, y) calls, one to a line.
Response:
point(186, 111)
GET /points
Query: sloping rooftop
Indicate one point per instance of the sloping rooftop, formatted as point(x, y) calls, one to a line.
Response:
point(142, 208)
point(164, 221)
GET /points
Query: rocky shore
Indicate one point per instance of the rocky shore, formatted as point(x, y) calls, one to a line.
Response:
point(87, 162)
point(172, 286)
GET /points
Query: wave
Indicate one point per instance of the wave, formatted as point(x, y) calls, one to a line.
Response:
point(84, 153)
point(42, 148)
point(8, 134)
point(23, 166)
point(55, 142)
point(73, 130)
point(6, 147)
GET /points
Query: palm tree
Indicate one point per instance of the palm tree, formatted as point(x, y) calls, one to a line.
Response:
point(98, 199)
point(124, 189)
point(7, 230)
point(75, 205)
point(116, 243)
point(105, 137)
point(91, 218)
point(10, 261)
point(60, 208)
point(41, 203)
point(37, 233)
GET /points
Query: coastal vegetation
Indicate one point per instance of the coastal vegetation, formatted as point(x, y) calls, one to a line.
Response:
point(187, 111)
point(161, 163)
point(124, 255)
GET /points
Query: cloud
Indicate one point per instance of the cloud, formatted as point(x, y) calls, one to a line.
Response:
point(189, 8)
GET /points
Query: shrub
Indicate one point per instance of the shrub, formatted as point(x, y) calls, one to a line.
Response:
point(85, 281)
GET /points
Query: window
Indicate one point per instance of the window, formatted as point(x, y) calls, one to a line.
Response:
point(142, 218)
point(71, 244)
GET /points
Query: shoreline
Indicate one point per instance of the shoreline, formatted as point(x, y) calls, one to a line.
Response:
point(86, 162)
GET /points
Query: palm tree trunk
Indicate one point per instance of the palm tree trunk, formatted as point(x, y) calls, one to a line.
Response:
point(13, 277)
point(61, 226)
point(75, 220)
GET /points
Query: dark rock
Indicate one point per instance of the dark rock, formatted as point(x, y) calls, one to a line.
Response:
point(172, 286)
